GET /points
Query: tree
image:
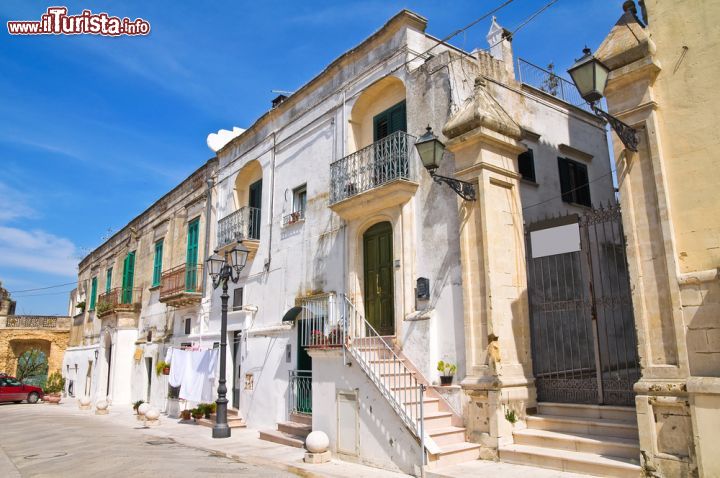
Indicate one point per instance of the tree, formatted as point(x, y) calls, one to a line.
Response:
point(31, 364)
point(551, 83)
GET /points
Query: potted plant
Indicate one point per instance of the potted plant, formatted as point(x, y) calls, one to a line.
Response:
point(197, 413)
point(186, 414)
point(81, 306)
point(54, 385)
point(162, 367)
point(447, 372)
point(137, 404)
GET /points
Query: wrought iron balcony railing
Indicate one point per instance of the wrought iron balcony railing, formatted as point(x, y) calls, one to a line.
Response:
point(383, 161)
point(550, 83)
point(183, 278)
point(239, 225)
point(117, 299)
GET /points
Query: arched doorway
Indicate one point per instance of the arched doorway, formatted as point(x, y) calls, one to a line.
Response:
point(378, 278)
point(32, 367)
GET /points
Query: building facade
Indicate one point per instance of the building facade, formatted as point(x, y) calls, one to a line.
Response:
point(663, 82)
point(363, 272)
point(139, 293)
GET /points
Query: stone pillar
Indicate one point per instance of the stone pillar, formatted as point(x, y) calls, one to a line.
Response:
point(484, 142)
point(675, 304)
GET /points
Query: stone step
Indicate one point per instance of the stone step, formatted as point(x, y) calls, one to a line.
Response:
point(276, 436)
point(232, 422)
point(406, 393)
point(454, 454)
point(447, 435)
point(610, 412)
point(570, 461)
point(233, 412)
point(584, 426)
point(600, 445)
point(303, 418)
point(434, 421)
point(398, 379)
point(300, 430)
point(430, 405)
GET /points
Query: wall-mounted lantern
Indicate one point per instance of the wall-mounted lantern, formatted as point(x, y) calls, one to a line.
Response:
point(431, 150)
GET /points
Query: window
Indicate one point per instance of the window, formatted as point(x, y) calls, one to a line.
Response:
point(108, 280)
point(237, 299)
point(299, 201)
point(389, 121)
point(526, 165)
point(188, 326)
point(93, 293)
point(191, 257)
point(157, 264)
point(574, 184)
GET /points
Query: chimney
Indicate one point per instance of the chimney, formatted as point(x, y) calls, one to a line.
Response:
point(500, 43)
point(279, 99)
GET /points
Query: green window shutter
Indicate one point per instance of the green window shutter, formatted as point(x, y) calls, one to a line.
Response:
point(192, 255)
point(565, 180)
point(93, 293)
point(398, 120)
point(128, 276)
point(582, 194)
point(108, 280)
point(389, 121)
point(157, 264)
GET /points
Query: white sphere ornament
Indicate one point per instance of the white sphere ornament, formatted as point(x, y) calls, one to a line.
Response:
point(152, 413)
point(143, 408)
point(85, 401)
point(317, 442)
point(101, 405)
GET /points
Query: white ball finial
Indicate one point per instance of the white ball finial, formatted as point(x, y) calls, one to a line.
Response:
point(317, 442)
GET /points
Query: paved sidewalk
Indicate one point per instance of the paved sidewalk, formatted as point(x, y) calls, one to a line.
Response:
point(244, 447)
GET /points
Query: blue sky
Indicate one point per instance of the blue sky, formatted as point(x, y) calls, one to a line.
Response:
point(94, 129)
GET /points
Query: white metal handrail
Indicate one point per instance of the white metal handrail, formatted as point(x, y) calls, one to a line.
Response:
point(385, 369)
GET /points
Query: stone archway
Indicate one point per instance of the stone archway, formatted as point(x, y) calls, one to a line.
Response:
point(31, 361)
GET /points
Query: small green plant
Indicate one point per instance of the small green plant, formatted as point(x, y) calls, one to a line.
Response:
point(206, 409)
point(197, 413)
point(81, 306)
point(137, 404)
point(161, 366)
point(511, 416)
point(103, 307)
point(55, 384)
point(446, 368)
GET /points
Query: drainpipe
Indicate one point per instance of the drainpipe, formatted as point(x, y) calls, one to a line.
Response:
point(208, 212)
point(272, 201)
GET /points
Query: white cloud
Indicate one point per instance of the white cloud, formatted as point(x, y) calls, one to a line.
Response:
point(37, 250)
point(14, 204)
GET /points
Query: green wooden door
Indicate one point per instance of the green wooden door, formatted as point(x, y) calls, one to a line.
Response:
point(191, 257)
point(378, 263)
point(128, 277)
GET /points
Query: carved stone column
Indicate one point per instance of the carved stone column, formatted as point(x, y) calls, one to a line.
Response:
point(484, 142)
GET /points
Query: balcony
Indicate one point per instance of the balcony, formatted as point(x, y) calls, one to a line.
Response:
point(121, 302)
point(182, 285)
point(241, 225)
point(376, 177)
point(548, 82)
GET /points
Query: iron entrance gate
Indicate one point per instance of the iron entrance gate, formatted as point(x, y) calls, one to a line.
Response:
point(583, 334)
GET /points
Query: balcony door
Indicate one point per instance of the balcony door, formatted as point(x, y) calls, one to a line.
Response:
point(255, 203)
point(389, 161)
point(378, 265)
point(191, 257)
point(128, 277)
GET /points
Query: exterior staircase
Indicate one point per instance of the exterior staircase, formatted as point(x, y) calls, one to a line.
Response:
point(591, 439)
point(405, 388)
point(292, 432)
point(234, 420)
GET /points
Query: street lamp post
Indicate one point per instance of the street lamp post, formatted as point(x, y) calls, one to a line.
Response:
point(590, 77)
point(224, 269)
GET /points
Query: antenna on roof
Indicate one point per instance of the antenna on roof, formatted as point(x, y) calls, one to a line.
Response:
point(282, 92)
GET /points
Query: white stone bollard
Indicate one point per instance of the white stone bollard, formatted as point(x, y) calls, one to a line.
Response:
point(152, 417)
point(84, 403)
point(317, 444)
point(101, 407)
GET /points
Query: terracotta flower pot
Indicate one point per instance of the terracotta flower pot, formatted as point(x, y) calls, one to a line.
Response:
point(166, 371)
point(52, 398)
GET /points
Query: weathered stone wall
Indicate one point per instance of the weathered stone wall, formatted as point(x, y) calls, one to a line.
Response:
point(13, 342)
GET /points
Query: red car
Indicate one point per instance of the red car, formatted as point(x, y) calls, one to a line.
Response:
point(13, 390)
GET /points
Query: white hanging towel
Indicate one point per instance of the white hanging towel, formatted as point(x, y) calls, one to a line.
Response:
point(210, 367)
point(197, 375)
point(178, 363)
